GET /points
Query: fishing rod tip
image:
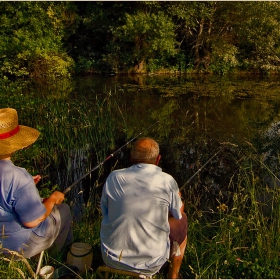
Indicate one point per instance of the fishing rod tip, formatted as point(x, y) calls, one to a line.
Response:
point(228, 143)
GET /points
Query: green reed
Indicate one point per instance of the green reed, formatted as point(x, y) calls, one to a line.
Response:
point(75, 135)
point(239, 239)
point(80, 129)
point(235, 236)
point(65, 125)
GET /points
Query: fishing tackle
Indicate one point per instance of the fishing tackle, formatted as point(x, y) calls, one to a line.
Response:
point(224, 143)
point(101, 163)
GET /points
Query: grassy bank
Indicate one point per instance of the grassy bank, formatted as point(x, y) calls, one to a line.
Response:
point(233, 227)
point(235, 240)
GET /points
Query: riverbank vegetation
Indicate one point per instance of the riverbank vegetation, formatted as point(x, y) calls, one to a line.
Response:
point(47, 40)
point(232, 204)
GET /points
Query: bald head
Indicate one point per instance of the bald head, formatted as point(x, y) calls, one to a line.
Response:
point(145, 150)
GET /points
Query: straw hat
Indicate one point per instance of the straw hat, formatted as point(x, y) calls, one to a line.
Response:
point(14, 137)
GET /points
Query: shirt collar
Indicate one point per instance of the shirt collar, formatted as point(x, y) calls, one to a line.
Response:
point(146, 166)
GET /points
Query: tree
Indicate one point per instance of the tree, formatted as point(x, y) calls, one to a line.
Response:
point(219, 36)
point(31, 40)
point(149, 34)
point(204, 30)
point(210, 36)
point(118, 36)
point(89, 43)
point(43, 39)
point(258, 36)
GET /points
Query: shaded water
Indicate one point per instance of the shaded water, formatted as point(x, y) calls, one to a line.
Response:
point(222, 108)
point(196, 115)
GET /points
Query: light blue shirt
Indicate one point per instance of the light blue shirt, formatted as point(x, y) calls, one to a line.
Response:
point(19, 202)
point(135, 204)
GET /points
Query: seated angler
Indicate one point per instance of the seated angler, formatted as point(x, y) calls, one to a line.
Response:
point(27, 225)
point(143, 219)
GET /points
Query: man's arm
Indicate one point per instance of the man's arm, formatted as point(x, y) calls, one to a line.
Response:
point(55, 198)
point(183, 205)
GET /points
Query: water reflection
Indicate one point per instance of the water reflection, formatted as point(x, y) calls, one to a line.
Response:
point(222, 108)
point(196, 115)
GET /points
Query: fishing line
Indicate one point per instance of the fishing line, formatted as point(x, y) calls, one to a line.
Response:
point(101, 163)
point(261, 162)
point(224, 143)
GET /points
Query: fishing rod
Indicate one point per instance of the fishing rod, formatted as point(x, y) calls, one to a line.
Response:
point(202, 167)
point(101, 163)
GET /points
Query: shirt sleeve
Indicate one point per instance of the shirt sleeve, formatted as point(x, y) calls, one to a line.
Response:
point(104, 200)
point(28, 204)
point(175, 201)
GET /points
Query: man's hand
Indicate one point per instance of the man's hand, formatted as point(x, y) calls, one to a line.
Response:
point(37, 178)
point(56, 197)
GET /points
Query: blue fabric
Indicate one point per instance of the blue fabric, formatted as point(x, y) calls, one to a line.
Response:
point(19, 202)
point(135, 204)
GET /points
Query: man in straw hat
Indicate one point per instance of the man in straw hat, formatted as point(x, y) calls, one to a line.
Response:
point(143, 221)
point(27, 224)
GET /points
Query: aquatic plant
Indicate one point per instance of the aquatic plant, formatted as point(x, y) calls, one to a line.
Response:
point(232, 204)
point(75, 133)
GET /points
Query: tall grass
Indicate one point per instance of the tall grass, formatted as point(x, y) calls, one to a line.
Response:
point(239, 239)
point(236, 236)
point(233, 227)
point(74, 134)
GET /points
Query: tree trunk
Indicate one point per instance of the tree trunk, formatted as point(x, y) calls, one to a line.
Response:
point(198, 44)
point(138, 68)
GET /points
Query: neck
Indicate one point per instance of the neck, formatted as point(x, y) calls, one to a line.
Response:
point(156, 162)
point(143, 161)
point(5, 157)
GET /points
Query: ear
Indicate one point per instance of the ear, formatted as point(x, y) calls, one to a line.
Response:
point(158, 159)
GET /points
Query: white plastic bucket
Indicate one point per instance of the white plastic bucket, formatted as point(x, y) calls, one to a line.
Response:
point(46, 272)
point(80, 255)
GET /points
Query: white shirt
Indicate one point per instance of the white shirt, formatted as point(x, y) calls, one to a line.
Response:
point(135, 204)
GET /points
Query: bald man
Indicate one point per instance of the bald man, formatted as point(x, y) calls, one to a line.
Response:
point(143, 222)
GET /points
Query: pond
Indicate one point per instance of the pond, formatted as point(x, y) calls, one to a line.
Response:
point(197, 115)
point(225, 109)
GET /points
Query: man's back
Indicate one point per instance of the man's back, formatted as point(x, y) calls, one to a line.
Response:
point(135, 205)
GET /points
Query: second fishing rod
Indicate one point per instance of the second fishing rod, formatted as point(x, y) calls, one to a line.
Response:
point(108, 157)
point(199, 170)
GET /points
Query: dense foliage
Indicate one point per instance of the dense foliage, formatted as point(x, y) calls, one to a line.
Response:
point(46, 39)
point(31, 40)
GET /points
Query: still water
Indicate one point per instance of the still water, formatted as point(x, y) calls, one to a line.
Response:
point(196, 114)
point(220, 108)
